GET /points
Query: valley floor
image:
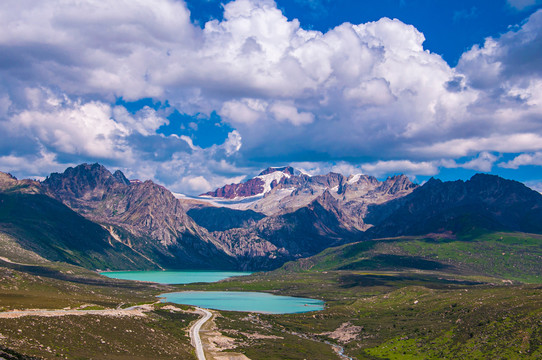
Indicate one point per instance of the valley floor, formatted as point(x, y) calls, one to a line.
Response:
point(418, 314)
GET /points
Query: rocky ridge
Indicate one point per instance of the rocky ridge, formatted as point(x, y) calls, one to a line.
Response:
point(290, 190)
point(300, 215)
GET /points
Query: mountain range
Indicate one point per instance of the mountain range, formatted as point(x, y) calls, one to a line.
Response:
point(94, 218)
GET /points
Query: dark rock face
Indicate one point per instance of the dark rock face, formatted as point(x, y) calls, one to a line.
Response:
point(484, 202)
point(143, 214)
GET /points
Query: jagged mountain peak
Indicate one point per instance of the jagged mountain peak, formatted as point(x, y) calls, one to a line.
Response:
point(84, 181)
point(120, 177)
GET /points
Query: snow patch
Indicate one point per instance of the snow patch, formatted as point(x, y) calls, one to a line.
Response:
point(354, 178)
point(180, 196)
point(269, 178)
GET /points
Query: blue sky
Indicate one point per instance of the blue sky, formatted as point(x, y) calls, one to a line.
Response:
point(197, 94)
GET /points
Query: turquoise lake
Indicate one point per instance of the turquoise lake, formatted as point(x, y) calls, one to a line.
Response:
point(244, 301)
point(174, 276)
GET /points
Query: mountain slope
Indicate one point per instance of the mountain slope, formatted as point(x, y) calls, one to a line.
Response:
point(52, 231)
point(304, 232)
point(222, 218)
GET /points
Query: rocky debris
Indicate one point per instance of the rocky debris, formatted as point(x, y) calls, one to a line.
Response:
point(345, 333)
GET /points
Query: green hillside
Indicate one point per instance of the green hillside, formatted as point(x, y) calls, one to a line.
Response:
point(44, 226)
point(507, 256)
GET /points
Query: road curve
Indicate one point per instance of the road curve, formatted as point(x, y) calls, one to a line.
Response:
point(194, 332)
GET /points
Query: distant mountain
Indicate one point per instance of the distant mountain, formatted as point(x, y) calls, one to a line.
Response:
point(485, 202)
point(278, 191)
point(259, 185)
point(98, 219)
point(301, 233)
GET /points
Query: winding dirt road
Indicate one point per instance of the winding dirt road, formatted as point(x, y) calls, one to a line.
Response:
point(194, 332)
point(133, 311)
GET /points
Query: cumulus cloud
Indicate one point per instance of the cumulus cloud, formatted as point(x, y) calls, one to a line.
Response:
point(522, 160)
point(400, 166)
point(358, 91)
point(483, 162)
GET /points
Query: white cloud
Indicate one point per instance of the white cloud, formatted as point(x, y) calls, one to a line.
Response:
point(286, 112)
point(400, 166)
point(72, 127)
point(522, 160)
point(233, 143)
point(368, 91)
point(246, 111)
point(483, 162)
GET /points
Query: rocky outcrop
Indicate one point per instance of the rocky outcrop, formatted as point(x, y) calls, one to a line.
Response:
point(9, 183)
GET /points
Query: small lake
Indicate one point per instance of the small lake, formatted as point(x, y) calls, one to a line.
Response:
point(174, 276)
point(244, 301)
